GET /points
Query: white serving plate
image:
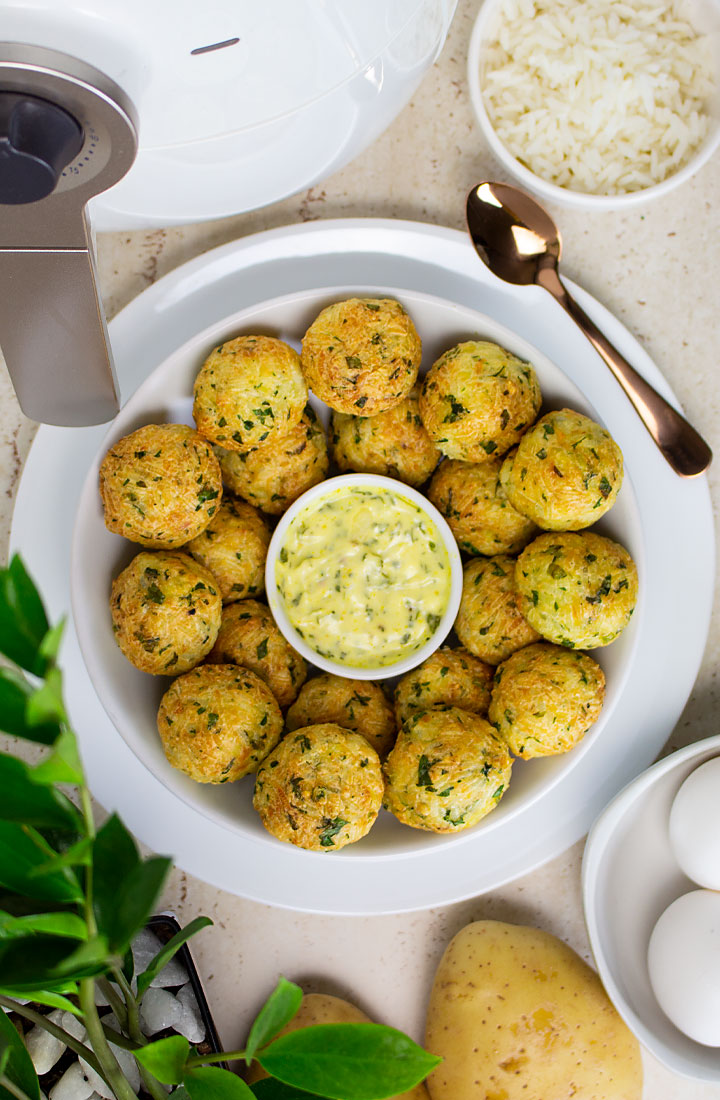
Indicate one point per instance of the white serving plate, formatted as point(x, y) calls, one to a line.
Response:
point(630, 876)
point(437, 274)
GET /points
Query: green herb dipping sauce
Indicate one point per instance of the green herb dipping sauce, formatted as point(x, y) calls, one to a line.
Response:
point(364, 576)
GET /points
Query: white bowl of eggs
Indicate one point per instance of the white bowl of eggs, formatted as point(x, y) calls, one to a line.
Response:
point(595, 105)
point(651, 886)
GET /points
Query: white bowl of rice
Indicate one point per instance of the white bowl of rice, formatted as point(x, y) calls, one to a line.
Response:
point(599, 104)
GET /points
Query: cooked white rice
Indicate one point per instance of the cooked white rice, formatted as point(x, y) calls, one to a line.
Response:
point(597, 96)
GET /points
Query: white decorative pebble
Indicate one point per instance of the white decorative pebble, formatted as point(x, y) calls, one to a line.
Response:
point(159, 1009)
point(73, 1026)
point(145, 947)
point(98, 1085)
point(73, 1085)
point(43, 1048)
point(191, 1025)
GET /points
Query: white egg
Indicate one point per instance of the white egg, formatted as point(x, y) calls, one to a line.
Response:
point(684, 965)
point(695, 825)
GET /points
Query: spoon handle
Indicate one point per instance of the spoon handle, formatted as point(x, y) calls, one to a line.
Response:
point(683, 447)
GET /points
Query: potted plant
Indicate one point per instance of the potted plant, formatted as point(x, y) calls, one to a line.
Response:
point(73, 897)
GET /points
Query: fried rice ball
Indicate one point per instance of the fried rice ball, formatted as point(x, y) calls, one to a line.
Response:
point(218, 722)
point(449, 677)
point(234, 548)
point(249, 637)
point(576, 588)
point(545, 699)
point(448, 770)
point(566, 473)
point(249, 390)
point(358, 705)
point(480, 516)
point(320, 789)
point(276, 473)
point(489, 622)
point(361, 355)
point(477, 399)
point(160, 486)
point(393, 443)
point(166, 611)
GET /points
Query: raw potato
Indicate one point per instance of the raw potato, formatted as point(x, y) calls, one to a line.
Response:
point(321, 1008)
point(517, 1015)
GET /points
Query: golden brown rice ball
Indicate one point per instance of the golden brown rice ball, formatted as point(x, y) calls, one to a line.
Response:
point(160, 485)
point(577, 589)
point(545, 699)
point(276, 473)
point(165, 611)
point(249, 390)
point(448, 770)
point(477, 400)
point(566, 473)
point(320, 789)
point(392, 443)
point(362, 355)
point(357, 705)
point(473, 501)
point(449, 678)
point(490, 623)
point(234, 548)
point(249, 637)
point(218, 722)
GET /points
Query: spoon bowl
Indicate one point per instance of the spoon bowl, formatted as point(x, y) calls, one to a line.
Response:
point(519, 242)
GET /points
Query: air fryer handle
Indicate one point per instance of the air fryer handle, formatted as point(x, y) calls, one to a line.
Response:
point(67, 133)
point(54, 336)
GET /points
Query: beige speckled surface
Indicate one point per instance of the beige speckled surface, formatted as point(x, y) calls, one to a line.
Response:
point(656, 268)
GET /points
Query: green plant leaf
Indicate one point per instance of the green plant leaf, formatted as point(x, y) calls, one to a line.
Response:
point(77, 855)
point(32, 803)
point(46, 704)
point(45, 997)
point(63, 765)
point(271, 1089)
point(348, 1061)
point(213, 1083)
point(171, 947)
point(50, 645)
point(15, 693)
point(22, 849)
point(55, 924)
point(165, 1059)
point(278, 1010)
point(18, 1066)
point(135, 899)
point(23, 622)
point(115, 856)
point(42, 961)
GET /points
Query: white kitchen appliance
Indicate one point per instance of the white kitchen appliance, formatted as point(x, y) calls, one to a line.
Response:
point(159, 112)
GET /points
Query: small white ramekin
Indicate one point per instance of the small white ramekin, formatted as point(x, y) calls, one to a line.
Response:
point(552, 192)
point(374, 481)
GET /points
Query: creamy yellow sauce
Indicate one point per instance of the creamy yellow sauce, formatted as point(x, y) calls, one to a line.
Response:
point(364, 576)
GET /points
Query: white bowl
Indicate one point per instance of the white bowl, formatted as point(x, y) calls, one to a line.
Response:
point(630, 876)
point(373, 481)
point(131, 698)
point(706, 17)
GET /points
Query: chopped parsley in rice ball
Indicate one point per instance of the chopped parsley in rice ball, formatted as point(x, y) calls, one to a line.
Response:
point(166, 612)
point(361, 355)
point(320, 789)
point(576, 588)
point(477, 399)
point(160, 486)
point(249, 390)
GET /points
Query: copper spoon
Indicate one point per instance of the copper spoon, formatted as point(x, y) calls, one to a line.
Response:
point(520, 244)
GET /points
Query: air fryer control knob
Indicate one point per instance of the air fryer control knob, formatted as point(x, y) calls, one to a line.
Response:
point(37, 140)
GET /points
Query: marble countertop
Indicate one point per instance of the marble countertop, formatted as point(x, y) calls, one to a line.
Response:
point(655, 268)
